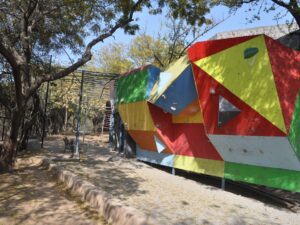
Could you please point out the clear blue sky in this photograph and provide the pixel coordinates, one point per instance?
(235, 22)
(152, 25)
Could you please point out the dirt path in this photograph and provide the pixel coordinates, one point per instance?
(31, 196)
(168, 199)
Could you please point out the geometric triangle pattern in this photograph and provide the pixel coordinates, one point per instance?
(285, 67)
(160, 146)
(247, 123)
(294, 135)
(227, 111)
(173, 103)
(229, 108)
(167, 77)
(258, 88)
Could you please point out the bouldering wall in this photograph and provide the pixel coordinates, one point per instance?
(229, 108)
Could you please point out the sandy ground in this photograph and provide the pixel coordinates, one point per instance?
(31, 196)
(167, 198)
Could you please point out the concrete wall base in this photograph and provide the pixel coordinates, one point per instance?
(112, 210)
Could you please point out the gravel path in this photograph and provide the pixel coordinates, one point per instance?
(31, 196)
(168, 199)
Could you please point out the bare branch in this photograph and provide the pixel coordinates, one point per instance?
(204, 32)
(247, 1)
(158, 60)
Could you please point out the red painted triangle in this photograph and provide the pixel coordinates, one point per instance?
(248, 122)
(183, 139)
(285, 64)
(203, 49)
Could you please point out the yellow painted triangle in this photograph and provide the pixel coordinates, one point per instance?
(249, 78)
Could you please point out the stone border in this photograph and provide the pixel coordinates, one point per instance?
(113, 211)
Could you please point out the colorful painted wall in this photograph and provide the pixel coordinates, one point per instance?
(229, 108)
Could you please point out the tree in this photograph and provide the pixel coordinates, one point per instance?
(179, 35)
(159, 50)
(113, 58)
(145, 49)
(31, 30)
(120, 58)
(292, 6)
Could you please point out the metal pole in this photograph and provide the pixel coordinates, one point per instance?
(76, 153)
(44, 119)
(45, 109)
(173, 171)
(223, 183)
(103, 122)
(84, 126)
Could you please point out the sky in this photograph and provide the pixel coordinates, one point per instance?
(152, 24)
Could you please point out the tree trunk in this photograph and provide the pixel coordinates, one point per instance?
(296, 15)
(10, 142)
(66, 118)
(23, 139)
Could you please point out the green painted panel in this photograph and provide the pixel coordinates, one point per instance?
(272, 177)
(132, 88)
(294, 134)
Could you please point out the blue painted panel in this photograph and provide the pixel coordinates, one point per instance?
(153, 75)
(179, 94)
(155, 157)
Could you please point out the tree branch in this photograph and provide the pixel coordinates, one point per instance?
(204, 32)
(280, 3)
(158, 60)
(4, 100)
(13, 58)
(247, 1)
(87, 55)
(8, 55)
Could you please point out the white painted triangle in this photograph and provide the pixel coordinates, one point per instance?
(160, 146)
(227, 111)
(164, 79)
(225, 105)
